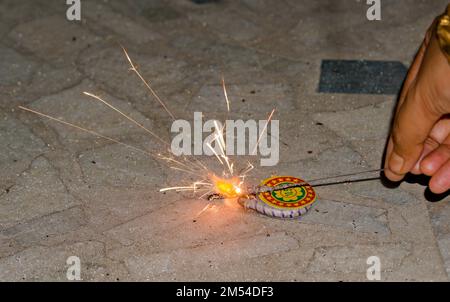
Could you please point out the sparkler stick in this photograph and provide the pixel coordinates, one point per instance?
(324, 181)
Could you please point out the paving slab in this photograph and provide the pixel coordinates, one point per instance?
(65, 192)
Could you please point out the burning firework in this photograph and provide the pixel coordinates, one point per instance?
(226, 183)
(279, 196)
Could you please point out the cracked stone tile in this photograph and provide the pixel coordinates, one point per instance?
(18, 148)
(296, 70)
(108, 207)
(115, 166)
(376, 190)
(444, 247)
(337, 258)
(321, 33)
(14, 12)
(70, 38)
(235, 62)
(49, 263)
(153, 11)
(278, 16)
(230, 25)
(48, 80)
(149, 266)
(399, 262)
(371, 122)
(346, 215)
(114, 202)
(424, 263)
(14, 67)
(371, 150)
(261, 98)
(37, 192)
(365, 128)
(280, 266)
(3, 30)
(242, 23)
(73, 106)
(183, 224)
(301, 138)
(160, 14)
(440, 217)
(110, 68)
(45, 80)
(411, 223)
(40, 230)
(311, 102)
(101, 15)
(313, 235)
(331, 162)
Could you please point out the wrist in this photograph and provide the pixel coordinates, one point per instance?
(443, 32)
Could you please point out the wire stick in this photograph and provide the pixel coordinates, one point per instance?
(315, 182)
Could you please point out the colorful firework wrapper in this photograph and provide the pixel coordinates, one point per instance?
(286, 203)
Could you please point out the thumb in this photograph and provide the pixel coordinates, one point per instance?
(412, 125)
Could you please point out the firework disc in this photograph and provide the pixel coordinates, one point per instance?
(287, 203)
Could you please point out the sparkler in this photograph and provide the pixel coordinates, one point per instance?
(230, 184)
(224, 185)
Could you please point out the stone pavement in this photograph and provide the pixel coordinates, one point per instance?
(64, 192)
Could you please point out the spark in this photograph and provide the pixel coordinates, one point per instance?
(134, 69)
(173, 160)
(225, 94)
(126, 116)
(86, 130)
(140, 126)
(221, 143)
(229, 185)
(195, 187)
(249, 168)
(203, 210)
(262, 132)
(180, 188)
(94, 133)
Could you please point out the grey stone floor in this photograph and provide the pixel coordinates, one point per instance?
(65, 193)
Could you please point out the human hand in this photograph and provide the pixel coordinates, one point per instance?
(420, 136)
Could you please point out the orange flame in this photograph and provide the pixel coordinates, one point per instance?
(230, 188)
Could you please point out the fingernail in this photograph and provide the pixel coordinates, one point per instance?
(396, 163)
(440, 186)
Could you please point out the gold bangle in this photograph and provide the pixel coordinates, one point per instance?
(443, 33)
